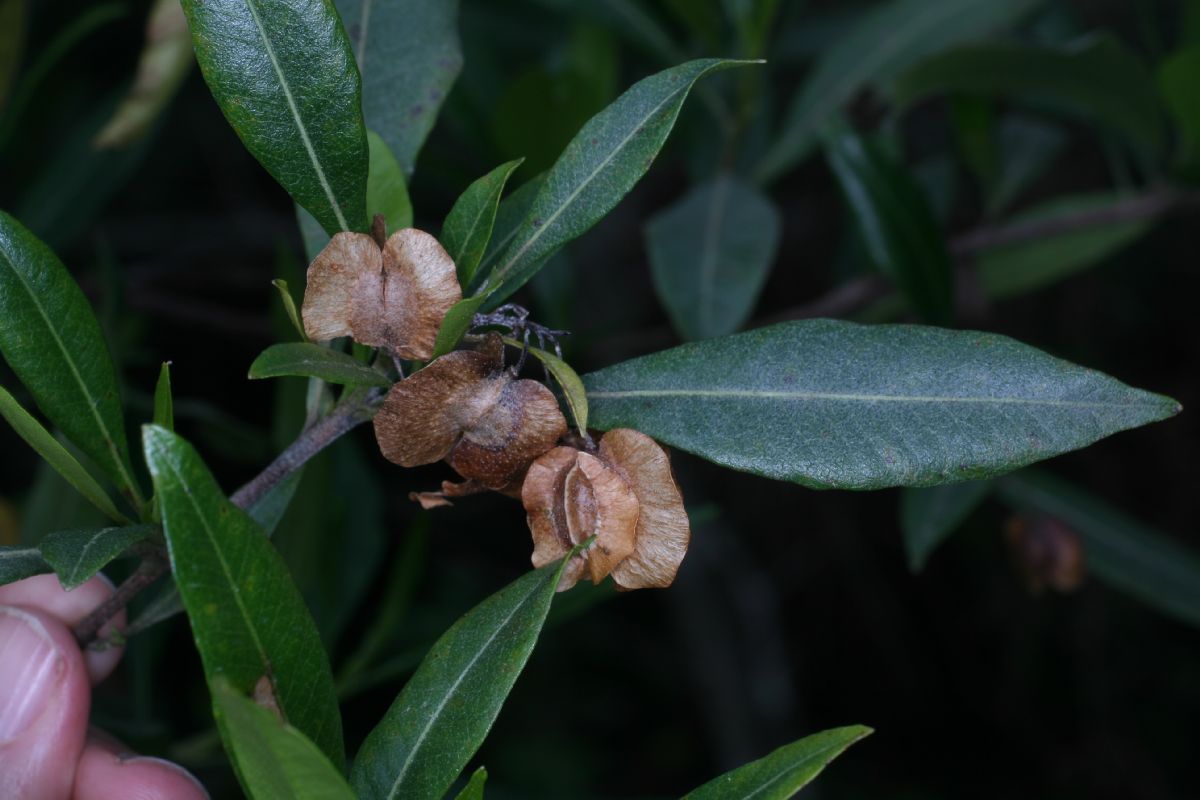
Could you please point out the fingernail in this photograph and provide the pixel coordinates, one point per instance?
(171, 765)
(30, 670)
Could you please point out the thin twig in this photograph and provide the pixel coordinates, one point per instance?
(151, 568)
(347, 415)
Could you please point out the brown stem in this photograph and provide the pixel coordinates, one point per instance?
(151, 568)
(351, 412)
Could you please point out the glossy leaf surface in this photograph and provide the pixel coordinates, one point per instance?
(710, 254)
(312, 360)
(164, 401)
(836, 405)
(57, 456)
(928, 516)
(885, 40)
(80, 554)
(1098, 80)
(509, 216)
(247, 617)
(1118, 549)
(51, 339)
(409, 55)
(567, 379)
(274, 759)
(474, 788)
(468, 226)
(446, 709)
(600, 165)
(784, 772)
(896, 223)
(284, 76)
(387, 189)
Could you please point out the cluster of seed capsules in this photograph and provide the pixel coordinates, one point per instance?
(498, 431)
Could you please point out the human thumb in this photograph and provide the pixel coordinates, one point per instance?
(44, 700)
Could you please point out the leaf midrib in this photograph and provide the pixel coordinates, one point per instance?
(864, 398)
(74, 571)
(502, 271)
(804, 764)
(432, 718)
(211, 534)
(301, 129)
(93, 402)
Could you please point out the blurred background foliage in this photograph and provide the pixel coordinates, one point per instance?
(1019, 166)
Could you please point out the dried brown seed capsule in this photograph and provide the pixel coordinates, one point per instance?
(467, 408)
(392, 297)
(624, 495)
(1046, 552)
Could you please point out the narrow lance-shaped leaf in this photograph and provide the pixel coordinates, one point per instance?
(19, 563)
(509, 216)
(57, 456)
(474, 788)
(51, 339)
(289, 306)
(784, 772)
(710, 254)
(409, 55)
(1119, 550)
(568, 380)
(247, 616)
(164, 401)
(274, 760)
(836, 405)
(896, 223)
(600, 165)
(1099, 80)
(314, 361)
(928, 516)
(468, 226)
(887, 39)
(448, 706)
(78, 555)
(387, 190)
(285, 78)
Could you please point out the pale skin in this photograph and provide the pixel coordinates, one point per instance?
(47, 750)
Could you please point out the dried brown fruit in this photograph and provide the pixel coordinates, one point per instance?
(394, 297)
(467, 408)
(1046, 552)
(624, 495)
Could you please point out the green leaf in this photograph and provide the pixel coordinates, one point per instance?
(387, 191)
(468, 226)
(509, 216)
(474, 788)
(57, 456)
(409, 55)
(247, 616)
(1020, 268)
(315, 361)
(567, 379)
(52, 341)
(164, 402)
(928, 516)
(19, 563)
(456, 322)
(446, 709)
(78, 555)
(165, 61)
(274, 760)
(896, 223)
(710, 254)
(600, 165)
(289, 305)
(1127, 554)
(831, 404)
(12, 41)
(1029, 146)
(883, 41)
(1098, 80)
(784, 772)
(284, 76)
(1177, 78)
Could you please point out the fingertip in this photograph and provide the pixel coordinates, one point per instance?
(102, 775)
